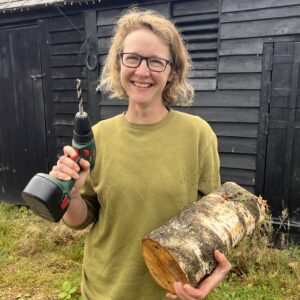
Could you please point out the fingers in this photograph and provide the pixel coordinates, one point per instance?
(223, 264)
(72, 153)
(66, 168)
(69, 151)
(171, 296)
(217, 276)
(187, 292)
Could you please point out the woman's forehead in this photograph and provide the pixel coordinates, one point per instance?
(145, 41)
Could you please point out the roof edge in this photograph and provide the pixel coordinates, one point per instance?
(26, 5)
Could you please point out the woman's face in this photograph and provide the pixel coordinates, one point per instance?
(145, 87)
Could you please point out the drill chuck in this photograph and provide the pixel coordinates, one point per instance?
(82, 133)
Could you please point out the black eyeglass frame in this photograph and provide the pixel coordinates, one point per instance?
(168, 62)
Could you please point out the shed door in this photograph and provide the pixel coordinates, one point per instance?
(22, 120)
(282, 170)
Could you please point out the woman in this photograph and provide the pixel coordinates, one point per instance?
(151, 162)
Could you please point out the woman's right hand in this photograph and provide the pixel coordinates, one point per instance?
(66, 169)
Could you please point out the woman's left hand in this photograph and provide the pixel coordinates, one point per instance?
(187, 292)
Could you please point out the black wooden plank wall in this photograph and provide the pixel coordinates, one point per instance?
(225, 39)
(295, 182)
(198, 22)
(232, 107)
(244, 28)
(235, 122)
(67, 36)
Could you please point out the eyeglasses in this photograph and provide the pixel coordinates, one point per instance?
(155, 64)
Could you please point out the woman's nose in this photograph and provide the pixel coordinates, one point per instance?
(142, 69)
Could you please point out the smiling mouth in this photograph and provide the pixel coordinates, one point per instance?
(141, 85)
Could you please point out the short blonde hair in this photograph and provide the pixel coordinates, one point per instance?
(178, 89)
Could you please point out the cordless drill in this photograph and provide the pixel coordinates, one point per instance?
(49, 197)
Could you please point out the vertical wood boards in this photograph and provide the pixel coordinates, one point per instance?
(47, 92)
(22, 123)
(247, 27)
(263, 118)
(280, 136)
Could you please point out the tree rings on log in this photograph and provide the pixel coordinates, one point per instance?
(182, 249)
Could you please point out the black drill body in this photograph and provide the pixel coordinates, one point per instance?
(49, 197)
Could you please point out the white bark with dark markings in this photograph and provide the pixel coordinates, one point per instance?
(182, 249)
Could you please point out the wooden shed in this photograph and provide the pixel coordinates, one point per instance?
(245, 54)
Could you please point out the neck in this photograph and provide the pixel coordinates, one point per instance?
(145, 115)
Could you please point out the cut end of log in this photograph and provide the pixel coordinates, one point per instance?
(162, 265)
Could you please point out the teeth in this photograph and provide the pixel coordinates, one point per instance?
(141, 85)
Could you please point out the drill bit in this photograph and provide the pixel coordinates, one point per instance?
(79, 96)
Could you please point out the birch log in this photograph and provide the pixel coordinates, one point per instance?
(182, 249)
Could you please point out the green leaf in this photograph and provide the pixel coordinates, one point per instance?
(62, 295)
(66, 286)
(73, 290)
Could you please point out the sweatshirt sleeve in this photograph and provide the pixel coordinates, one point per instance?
(209, 168)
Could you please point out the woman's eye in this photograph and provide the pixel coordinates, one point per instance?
(156, 62)
(132, 58)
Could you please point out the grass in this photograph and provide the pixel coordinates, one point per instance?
(40, 260)
(36, 257)
(261, 271)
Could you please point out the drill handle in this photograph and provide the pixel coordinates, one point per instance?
(85, 151)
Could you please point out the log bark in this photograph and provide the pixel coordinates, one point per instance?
(182, 249)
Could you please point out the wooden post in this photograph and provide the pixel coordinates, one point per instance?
(182, 249)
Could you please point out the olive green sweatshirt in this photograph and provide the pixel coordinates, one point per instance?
(144, 175)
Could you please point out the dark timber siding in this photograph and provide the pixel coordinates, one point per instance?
(227, 82)
(245, 27)
(67, 59)
(232, 44)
